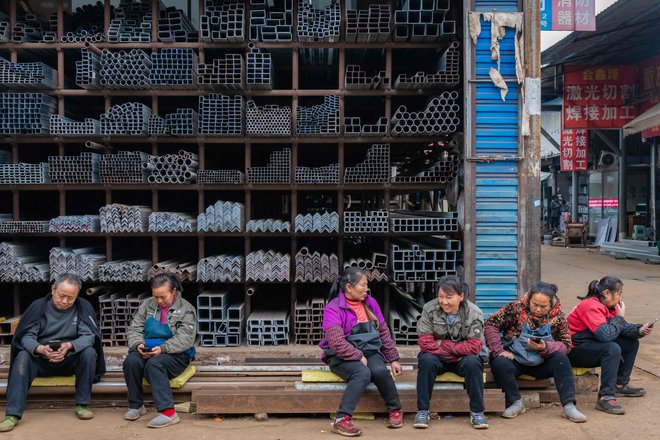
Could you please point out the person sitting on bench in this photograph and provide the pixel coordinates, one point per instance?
(56, 336)
(602, 338)
(356, 346)
(160, 341)
(530, 336)
(450, 339)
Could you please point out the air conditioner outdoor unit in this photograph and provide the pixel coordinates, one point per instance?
(607, 159)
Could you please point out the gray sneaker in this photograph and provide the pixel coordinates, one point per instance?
(571, 413)
(135, 413)
(514, 410)
(161, 421)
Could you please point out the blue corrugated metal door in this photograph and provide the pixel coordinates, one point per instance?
(496, 133)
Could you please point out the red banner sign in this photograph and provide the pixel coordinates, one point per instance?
(604, 203)
(573, 15)
(599, 96)
(574, 150)
(649, 87)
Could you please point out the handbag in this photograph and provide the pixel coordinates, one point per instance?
(521, 352)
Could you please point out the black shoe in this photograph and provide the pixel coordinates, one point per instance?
(610, 406)
(628, 391)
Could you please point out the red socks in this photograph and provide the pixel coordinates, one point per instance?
(169, 412)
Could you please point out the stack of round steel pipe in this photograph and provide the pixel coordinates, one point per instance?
(368, 267)
(128, 119)
(441, 116)
(268, 120)
(125, 70)
(178, 168)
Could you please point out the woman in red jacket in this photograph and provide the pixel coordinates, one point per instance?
(602, 338)
(530, 336)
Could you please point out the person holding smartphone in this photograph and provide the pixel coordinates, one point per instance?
(603, 338)
(160, 340)
(530, 336)
(57, 336)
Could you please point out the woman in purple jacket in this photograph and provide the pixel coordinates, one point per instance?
(356, 346)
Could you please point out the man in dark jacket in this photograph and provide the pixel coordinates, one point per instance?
(57, 336)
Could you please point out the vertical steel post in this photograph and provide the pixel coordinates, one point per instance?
(574, 195)
(623, 200)
(652, 192)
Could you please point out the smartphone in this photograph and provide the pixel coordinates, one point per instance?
(55, 344)
(536, 340)
(146, 350)
(652, 322)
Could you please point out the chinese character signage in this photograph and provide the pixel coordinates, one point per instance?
(546, 15)
(574, 150)
(604, 203)
(649, 87)
(599, 96)
(570, 15)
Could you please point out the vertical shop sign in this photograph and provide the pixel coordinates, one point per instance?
(574, 150)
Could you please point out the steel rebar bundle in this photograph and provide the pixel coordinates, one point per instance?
(66, 259)
(24, 173)
(423, 221)
(123, 167)
(353, 127)
(441, 116)
(308, 321)
(224, 73)
(131, 22)
(326, 174)
(317, 222)
(259, 73)
(124, 218)
(316, 267)
(116, 311)
(371, 222)
(174, 26)
(9, 226)
(234, 177)
(421, 262)
(22, 263)
(222, 217)
(183, 270)
(318, 24)
(125, 69)
(278, 169)
(19, 76)
(74, 169)
(172, 222)
(368, 25)
(447, 75)
(75, 223)
(268, 120)
(63, 126)
(356, 78)
(221, 268)
(220, 319)
(221, 115)
(26, 113)
(267, 225)
(444, 170)
(174, 68)
(423, 20)
(268, 327)
(124, 270)
(129, 119)
(374, 169)
(320, 118)
(271, 23)
(223, 21)
(267, 266)
(178, 168)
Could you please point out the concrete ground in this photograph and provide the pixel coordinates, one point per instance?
(571, 269)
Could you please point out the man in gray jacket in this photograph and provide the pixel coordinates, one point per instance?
(57, 336)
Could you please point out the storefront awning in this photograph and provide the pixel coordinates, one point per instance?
(646, 120)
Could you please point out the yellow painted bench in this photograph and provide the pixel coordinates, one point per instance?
(323, 376)
(576, 372)
(70, 381)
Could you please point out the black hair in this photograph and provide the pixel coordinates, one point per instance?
(547, 289)
(452, 283)
(351, 276)
(597, 287)
(171, 280)
(70, 278)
